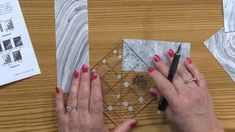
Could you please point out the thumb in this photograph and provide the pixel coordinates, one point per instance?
(126, 126)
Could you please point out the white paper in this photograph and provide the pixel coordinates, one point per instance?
(17, 57)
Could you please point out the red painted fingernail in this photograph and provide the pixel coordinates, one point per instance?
(153, 94)
(157, 58)
(57, 90)
(189, 61)
(134, 124)
(93, 75)
(75, 75)
(150, 69)
(171, 53)
(84, 68)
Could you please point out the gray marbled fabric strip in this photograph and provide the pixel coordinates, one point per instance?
(71, 39)
(222, 46)
(229, 15)
(145, 50)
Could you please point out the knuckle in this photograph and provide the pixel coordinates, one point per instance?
(85, 77)
(72, 97)
(84, 124)
(177, 79)
(74, 119)
(97, 106)
(162, 68)
(75, 82)
(176, 83)
(164, 89)
(82, 108)
(82, 105)
(97, 99)
(197, 97)
(96, 110)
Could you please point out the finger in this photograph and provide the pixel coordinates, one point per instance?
(60, 110)
(163, 68)
(73, 93)
(154, 93)
(84, 90)
(196, 73)
(126, 126)
(181, 70)
(164, 86)
(96, 98)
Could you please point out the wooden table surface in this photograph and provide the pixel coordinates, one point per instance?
(28, 105)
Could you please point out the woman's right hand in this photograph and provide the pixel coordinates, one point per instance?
(190, 107)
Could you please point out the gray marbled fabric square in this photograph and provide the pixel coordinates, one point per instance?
(222, 46)
(229, 15)
(71, 39)
(138, 54)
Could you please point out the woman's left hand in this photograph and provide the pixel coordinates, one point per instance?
(84, 111)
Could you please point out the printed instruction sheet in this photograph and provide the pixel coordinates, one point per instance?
(17, 57)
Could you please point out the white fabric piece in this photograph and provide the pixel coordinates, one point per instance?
(71, 39)
(229, 15)
(222, 46)
(138, 54)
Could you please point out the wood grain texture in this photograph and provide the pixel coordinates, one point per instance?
(28, 105)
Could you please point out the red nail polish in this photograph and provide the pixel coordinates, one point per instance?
(157, 58)
(84, 68)
(134, 124)
(93, 75)
(189, 61)
(75, 75)
(57, 90)
(150, 69)
(153, 94)
(171, 53)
